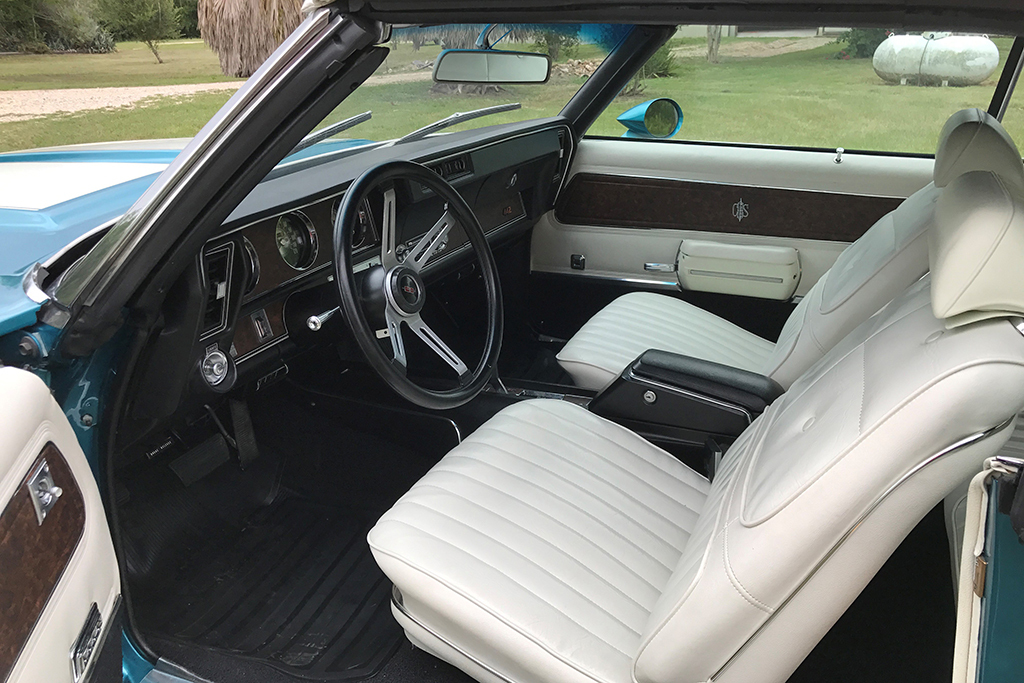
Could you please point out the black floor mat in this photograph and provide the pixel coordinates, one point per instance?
(296, 589)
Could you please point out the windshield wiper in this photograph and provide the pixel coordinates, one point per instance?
(330, 131)
(457, 117)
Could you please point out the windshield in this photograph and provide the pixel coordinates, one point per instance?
(403, 97)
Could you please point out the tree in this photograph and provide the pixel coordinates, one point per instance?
(188, 17)
(714, 42)
(244, 33)
(559, 41)
(148, 21)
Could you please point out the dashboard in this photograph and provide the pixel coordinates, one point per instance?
(271, 266)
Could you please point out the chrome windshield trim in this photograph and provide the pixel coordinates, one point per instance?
(102, 265)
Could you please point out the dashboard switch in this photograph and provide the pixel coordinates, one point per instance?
(578, 262)
(262, 325)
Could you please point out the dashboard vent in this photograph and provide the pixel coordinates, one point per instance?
(217, 272)
(455, 167)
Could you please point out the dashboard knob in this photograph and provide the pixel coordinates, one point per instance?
(215, 367)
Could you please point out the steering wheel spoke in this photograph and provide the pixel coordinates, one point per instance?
(388, 232)
(430, 338)
(397, 288)
(394, 321)
(428, 244)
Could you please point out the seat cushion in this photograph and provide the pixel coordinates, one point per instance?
(636, 322)
(541, 543)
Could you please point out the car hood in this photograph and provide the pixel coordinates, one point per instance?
(51, 197)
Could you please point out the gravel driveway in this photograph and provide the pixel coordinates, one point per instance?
(20, 105)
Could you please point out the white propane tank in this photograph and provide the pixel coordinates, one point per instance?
(935, 59)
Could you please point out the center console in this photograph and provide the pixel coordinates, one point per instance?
(675, 399)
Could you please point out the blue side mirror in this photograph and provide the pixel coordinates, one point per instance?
(660, 118)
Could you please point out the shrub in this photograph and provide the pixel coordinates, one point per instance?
(44, 25)
(861, 43)
(662, 64)
(148, 21)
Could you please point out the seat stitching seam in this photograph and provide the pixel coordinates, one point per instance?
(600, 500)
(518, 629)
(518, 583)
(599, 478)
(584, 491)
(554, 519)
(735, 580)
(627, 450)
(540, 538)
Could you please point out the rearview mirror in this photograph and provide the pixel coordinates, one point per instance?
(660, 118)
(491, 66)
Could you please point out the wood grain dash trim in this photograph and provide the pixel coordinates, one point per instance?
(620, 201)
(33, 557)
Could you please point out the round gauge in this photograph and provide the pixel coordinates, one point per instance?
(296, 240)
(362, 227)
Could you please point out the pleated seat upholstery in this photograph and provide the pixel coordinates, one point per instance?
(553, 546)
(639, 321)
(889, 257)
(608, 512)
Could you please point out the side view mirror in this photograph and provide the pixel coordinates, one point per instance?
(660, 118)
(491, 66)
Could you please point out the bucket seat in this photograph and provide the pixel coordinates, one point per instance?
(868, 274)
(553, 545)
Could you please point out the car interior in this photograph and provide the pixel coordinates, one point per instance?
(513, 403)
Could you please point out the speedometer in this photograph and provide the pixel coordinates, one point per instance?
(296, 240)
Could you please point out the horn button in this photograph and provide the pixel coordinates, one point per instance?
(407, 290)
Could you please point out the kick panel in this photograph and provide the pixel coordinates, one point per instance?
(594, 199)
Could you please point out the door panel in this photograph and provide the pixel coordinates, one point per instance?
(628, 203)
(52, 571)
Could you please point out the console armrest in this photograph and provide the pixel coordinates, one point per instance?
(746, 389)
(668, 397)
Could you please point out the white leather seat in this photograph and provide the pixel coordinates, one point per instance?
(890, 256)
(552, 545)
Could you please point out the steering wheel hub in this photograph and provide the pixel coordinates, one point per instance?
(394, 293)
(406, 290)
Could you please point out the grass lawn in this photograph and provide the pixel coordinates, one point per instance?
(185, 61)
(801, 98)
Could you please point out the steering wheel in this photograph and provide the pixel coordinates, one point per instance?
(391, 295)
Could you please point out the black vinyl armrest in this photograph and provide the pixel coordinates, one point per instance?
(746, 389)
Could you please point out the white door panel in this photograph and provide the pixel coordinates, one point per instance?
(863, 174)
(72, 544)
(621, 252)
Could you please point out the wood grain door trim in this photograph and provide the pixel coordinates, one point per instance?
(33, 557)
(628, 202)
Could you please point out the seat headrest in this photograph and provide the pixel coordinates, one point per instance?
(973, 140)
(976, 249)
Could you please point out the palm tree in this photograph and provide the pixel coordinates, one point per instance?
(243, 33)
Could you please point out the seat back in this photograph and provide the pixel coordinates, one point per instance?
(893, 253)
(817, 493)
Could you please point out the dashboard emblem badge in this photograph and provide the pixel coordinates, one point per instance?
(740, 210)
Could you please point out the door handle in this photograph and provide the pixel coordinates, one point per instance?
(43, 492)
